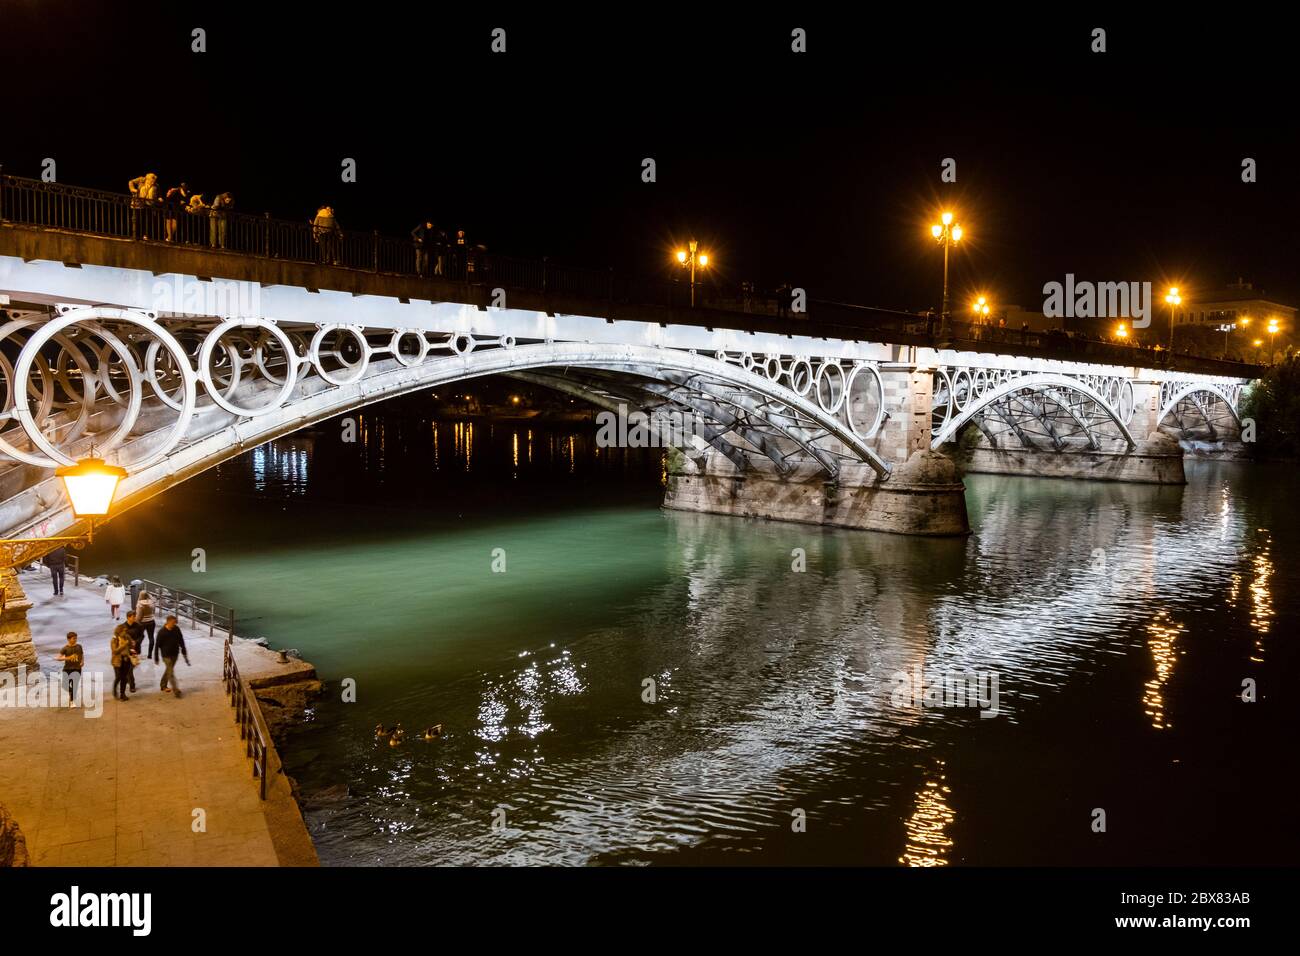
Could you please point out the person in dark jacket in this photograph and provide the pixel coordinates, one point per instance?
(135, 631)
(171, 643)
(55, 561)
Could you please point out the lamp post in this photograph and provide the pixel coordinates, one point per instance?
(1174, 300)
(689, 259)
(945, 232)
(1272, 341)
(90, 485)
(1258, 343)
(1122, 332)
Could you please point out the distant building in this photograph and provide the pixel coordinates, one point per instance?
(1225, 306)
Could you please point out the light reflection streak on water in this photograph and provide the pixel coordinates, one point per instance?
(1162, 639)
(928, 842)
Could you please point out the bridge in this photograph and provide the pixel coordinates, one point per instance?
(168, 358)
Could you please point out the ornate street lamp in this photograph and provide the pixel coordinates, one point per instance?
(946, 232)
(689, 259)
(1174, 300)
(90, 485)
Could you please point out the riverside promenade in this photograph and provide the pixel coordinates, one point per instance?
(126, 788)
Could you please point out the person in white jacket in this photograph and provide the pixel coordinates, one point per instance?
(114, 595)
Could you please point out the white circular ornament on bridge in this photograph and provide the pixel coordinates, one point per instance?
(88, 315)
(205, 371)
(878, 387)
(460, 343)
(823, 377)
(395, 347)
(801, 377)
(357, 370)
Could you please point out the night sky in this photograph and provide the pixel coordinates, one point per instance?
(821, 169)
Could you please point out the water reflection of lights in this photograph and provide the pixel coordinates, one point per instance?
(1261, 569)
(928, 843)
(527, 693)
(1162, 638)
(284, 465)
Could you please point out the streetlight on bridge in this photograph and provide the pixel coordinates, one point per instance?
(946, 232)
(689, 259)
(1174, 300)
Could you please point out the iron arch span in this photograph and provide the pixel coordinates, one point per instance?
(170, 402)
(1041, 407)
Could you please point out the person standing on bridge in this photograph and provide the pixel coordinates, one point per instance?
(144, 193)
(325, 230)
(171, 642)
(218, 219)
(422, 238)
(114, 595)
(198, 209)
(55, 561)
(177, 198)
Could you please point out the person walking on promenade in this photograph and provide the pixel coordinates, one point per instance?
(144, 193)
(219, 219)
(55, 561)
(144, 614)
(171, 642)
(121, 649)
(73, 656)
(135, 631)
(325, 230)
(177, 198)
(114, 595)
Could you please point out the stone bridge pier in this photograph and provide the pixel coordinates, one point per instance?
(922, 494)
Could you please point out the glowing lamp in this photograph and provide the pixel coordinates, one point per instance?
(91, 484)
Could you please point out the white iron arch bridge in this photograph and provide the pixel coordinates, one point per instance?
(91, 367)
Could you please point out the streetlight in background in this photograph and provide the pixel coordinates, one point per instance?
(1272, 341)
(689, 259)
(1122, 332)
(946, 232)
(1174, 300)
(1258, 343)
(980, 310)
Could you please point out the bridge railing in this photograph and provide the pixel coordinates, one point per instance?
(75, 209)
(199, 611)
(248, 714)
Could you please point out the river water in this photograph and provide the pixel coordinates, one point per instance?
(624, 685)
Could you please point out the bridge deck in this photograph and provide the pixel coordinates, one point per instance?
(120, 789)
(54, 223)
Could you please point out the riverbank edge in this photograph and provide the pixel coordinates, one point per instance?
(286, 823)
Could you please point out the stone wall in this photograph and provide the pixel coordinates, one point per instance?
(13, 848)
(15, 634)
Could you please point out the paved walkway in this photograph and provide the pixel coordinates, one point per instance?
(121, 789)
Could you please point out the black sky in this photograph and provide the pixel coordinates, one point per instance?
(822, 169)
